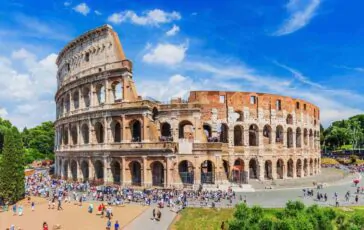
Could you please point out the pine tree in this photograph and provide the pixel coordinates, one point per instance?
(12, 186)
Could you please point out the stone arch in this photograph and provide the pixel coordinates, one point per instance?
(85, 170)
(186, 172)
(315, 166)
(311, 138)
(100, 92)
(155, 114)
(85, 134)
(115, 171)
(86, 94)
(238, 171)
(157, 173)
(74, 170)
(253, 169)
(99, 170)
(116, 131)
(135, 173)
(289, 119)
(305, 136)
(207, 172)
(99, 132)
(290, 168)
(65, 135)
(185, 130)
(208, 131)
(238, 135)
(253, 135)
(289, 138)
(136, 130)
(240, 115)
(299, 168)
(226, 167)
(224, 133)
(267, 135)
(65, 169)
(67, 103)
(311, 167)
(298, 137)
(268, 170)
(166, 130)
(279, 135)
(280, 169)
(305, 167)
(76, 99)
(117, 91)
(74, 134)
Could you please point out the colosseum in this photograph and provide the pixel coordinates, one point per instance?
(107, 134)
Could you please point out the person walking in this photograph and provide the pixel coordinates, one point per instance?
(108, 224)
(59, 203)
(14, 210)
(116, 225)
(45, 226)
(33, 206)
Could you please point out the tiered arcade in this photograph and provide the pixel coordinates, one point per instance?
(106, 133)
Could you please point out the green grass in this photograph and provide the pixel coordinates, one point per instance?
(211, 219)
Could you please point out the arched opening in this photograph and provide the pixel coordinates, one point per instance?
(268, 170)
(238, 171)
(224, 133)
(157, 174)
(85, 170)
(225, 164)
(115, 171)
(315, 166)
(185, 130)
(279, 135)
(65, 136)
(253, 169)
(166, 132)
(155, 114)
(305, 167)
(65, 170)
(186, 172)
(117, 91)
(99, 170)
(280, 169)
(240, 115)
(289, 138)
(74, 135)
(86, 97)
(207, 172)
(299, 168)
(298, 137)
(136, 131)
(99, 131)
(116, 131)
(74, 170)
(238, 135)
(208, 132)
(290, 167)
(253, 135)
(311, 167)
(76, 100)
(136, 173)
(67, 103)
(267, 135)
(311, 138)
(85, 134)
(100, 92)
(289, 119)
(305, 136)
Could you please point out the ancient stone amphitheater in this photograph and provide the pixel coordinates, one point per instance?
(107, 134)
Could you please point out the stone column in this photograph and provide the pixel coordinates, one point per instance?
(165, 174)
(91, 173)
(260, 137)
(273, 135)
(168, 178)
(72, 107)
(145, 137)
(294, 174)
(294, 138)
(92, 96)
(79, 133)
(261, 170)
(69, 172)
(246, 136)
(197, 171)
(274, 170)
(145, 171)
(90, 132)
(107, 170)
(107, 92)
(123, 176)
(106, 130)
(285, 138)
(123, 124)
(81, 103)
(79, 170)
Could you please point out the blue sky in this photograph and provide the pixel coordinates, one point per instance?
(310, 49)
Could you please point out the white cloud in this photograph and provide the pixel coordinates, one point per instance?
(3, 113)
(168, 54)
(152, 17)
(173, 31)
(300, 14)
(67, 4)
(27, 96)
(98, 12)
(82, 8)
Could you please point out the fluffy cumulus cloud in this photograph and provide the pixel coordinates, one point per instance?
(168, 54)
(82, 8)
(152, 17)
(27, 95)
(300, 13)
(173, 31)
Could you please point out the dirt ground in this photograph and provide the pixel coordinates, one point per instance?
(73, 217)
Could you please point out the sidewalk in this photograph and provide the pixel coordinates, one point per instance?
(144, 222)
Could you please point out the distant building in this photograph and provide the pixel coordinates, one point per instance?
(107, 133)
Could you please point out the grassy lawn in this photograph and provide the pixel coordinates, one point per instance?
(211, 219)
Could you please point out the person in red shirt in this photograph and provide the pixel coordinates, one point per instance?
(45, 226)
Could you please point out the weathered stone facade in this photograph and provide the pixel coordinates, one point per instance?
(106, 133)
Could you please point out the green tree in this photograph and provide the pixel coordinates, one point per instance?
(12, 186)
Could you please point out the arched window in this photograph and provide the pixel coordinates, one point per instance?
(224, 133)
(289, 119)
(136, 131)
(65, 136)
(207, 131)
(298, 138)
(238, 135)
(99, 131)
(117, 132)
(186, 130)
(267, 135)
(155, 113)
(74, 135)
(85, 134)
(279, 135)
(117, 91)
(76, 100)
(100, 90)
(165, 131)
(289, 138)
(253, 135)
(86, 96)
(67, 103)
(305, 136)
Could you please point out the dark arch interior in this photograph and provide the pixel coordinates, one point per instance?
(136, 131)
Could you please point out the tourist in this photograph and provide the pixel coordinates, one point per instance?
(59, 203)
(108, 224)
(90, 208)
(33, 206)
(45, 226)
(20, 210)
(14, 210)
(356, 199)
(12, 227)
(116, 225)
